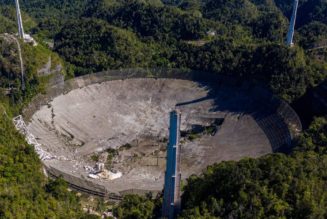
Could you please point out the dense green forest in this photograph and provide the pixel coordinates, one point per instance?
(273, 186)
(240, 38)
(24, 191)
(247, 34)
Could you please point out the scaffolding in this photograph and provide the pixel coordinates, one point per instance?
(30, 138)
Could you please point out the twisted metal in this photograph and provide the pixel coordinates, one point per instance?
(30, 138)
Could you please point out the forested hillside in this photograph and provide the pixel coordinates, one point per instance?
(240, 38)
(24, 190)
(273, 186)
(276, 185)
(115, 47)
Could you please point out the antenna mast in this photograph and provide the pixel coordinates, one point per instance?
(19, 21)
(290, 34)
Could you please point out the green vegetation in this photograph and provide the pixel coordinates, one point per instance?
(198, 130)
(315, 137)
(125, 147)
(24, 190)
(112, 153)
(41, 9)
(271, 186)
(8, 17)
(95, 157)
(7, 25)
(273, 64)
(313, 33)
(138, 34)
(157, 22)
(34, 59)
(133, 206)
(98, 46)
(159, 32)
(240, 38)
(278, 185)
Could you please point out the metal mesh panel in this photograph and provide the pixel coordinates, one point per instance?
(283, 118)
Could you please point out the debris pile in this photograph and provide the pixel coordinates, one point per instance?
(21, 127)
(99, 172)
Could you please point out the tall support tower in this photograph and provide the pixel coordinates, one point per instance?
(290, 33)
(19, 21)
(172, 195)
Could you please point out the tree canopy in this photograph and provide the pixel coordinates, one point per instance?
(240, 38)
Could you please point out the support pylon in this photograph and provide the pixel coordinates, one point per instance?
(19, 21)
(290, 34)
(172, 195)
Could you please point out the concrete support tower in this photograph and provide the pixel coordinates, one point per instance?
(19, 21)
(172, 195)
(290, 33)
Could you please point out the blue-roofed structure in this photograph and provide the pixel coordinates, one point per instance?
(172, 197)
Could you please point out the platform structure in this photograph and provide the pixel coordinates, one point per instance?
(172, 197)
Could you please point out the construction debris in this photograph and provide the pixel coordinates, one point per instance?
(21, 127)
(99, 172)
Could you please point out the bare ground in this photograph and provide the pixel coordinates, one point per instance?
(97, 117)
